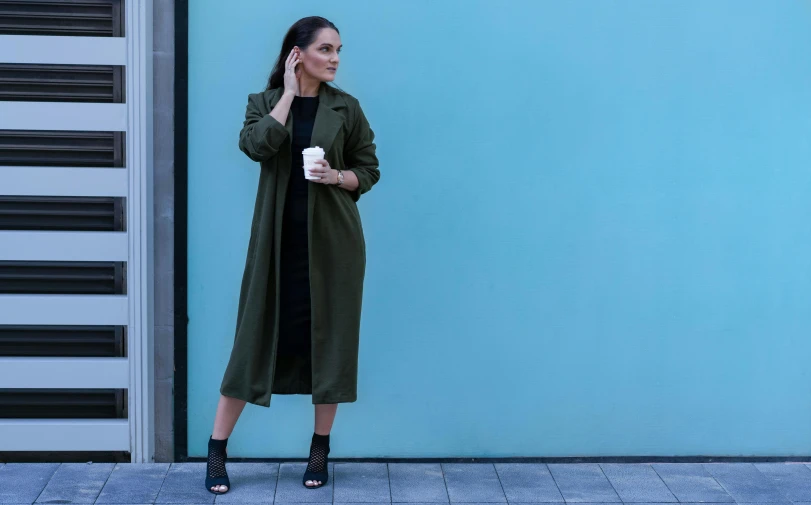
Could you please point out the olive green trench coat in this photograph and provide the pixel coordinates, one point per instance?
(337, 255)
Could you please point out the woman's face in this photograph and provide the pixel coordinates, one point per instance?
(320, 60)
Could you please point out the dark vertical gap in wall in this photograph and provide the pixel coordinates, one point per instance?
(180, 232)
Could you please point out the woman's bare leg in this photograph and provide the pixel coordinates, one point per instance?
(228, 411)
(324, 417)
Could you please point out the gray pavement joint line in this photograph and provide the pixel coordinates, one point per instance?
(665, 483)
(105, 483)
(388, 479)
(556, 482)
(46, 484)
(609, 482)
(719, 483)
(278, 475)
(445, 481)
(500, 483)
(163, 481)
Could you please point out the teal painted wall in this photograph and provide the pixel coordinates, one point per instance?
(591, 235)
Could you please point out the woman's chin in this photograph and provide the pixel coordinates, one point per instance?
(328, 77)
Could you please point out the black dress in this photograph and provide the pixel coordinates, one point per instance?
(294, 302)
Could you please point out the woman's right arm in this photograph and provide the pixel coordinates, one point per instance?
(262, 134)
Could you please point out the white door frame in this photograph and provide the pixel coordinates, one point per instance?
(140, 278)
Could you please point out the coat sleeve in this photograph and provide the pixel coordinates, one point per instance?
(359, 154)
(261, 134)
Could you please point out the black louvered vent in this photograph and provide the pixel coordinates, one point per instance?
(63, 404)
(73, 341)
(61, 213)
(31, 148)
(86, 18)
(46, 277)
(61, 83)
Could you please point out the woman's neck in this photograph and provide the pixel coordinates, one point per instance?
(308, 87)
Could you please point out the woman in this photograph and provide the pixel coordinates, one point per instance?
(298, 321)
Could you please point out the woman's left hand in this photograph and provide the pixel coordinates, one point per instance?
(325, 172)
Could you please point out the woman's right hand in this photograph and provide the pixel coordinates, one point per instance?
(290, 73)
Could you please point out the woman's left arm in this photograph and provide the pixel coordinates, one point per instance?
(360, 158)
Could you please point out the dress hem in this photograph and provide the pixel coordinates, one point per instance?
(260, 401)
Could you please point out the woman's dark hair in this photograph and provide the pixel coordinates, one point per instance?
(301, 34)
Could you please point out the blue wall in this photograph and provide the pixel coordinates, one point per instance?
(591, 235)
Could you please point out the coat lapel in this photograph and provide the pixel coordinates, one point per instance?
(328, 122)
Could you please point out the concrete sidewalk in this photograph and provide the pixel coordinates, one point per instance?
(54, 483)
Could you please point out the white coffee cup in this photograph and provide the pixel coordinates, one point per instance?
(311, 154)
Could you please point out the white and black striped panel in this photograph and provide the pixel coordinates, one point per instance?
(63, 233)
(62, 277)
(63, 403)
(64, 341)
(51, 148)
(61, 213)
(62, 83)
(85, 18)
